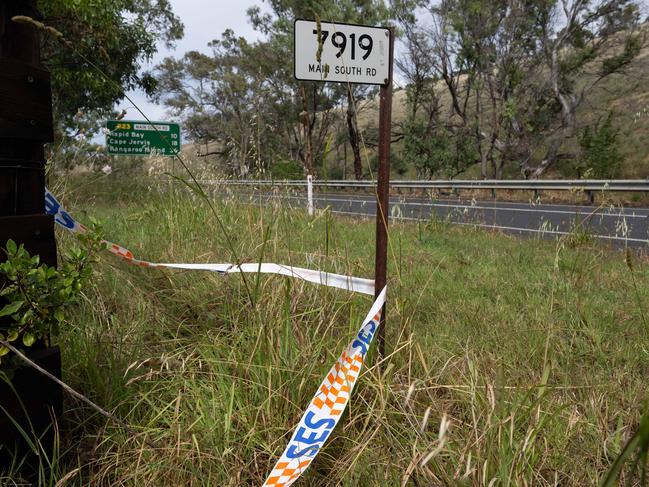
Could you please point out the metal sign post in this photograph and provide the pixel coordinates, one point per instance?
(346, 53)
(383, 193)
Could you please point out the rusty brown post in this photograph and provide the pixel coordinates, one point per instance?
(383, 193)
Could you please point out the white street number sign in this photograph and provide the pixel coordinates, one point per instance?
(341, 52)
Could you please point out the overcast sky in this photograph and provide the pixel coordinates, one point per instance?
(205, 20)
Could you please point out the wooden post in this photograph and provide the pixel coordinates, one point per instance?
(591, 197)
(25, 113)
(25, 125)
(383, 192)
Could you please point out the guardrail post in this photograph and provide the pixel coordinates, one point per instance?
(591, 197)
(309, 194)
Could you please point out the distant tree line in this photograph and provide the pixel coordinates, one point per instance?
(493, 83)
(498, 85)
(499, 82)
(244, 97)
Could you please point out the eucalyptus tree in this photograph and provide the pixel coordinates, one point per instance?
(221, 99)
(514, 72)
(244, 97)
(580, 48)
(117, 36)
(315, 103)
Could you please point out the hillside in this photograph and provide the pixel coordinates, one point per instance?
(626, 95)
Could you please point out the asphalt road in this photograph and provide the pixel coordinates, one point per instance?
(618, 225)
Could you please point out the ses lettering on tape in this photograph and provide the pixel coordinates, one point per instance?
(328, 404)
(62, 217)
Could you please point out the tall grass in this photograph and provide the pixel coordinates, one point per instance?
(511, 362)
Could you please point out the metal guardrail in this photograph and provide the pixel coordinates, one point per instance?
(641, 185)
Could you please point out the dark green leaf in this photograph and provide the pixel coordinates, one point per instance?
(11, 308)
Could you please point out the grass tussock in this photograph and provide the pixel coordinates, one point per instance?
(512, 362)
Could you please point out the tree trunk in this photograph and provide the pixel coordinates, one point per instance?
(352, 127)
(345, 160)
(500, 165)
(478, 135)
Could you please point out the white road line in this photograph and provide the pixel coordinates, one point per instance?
(444, 205)
(504, 204)
(482, 225)
(495, 227)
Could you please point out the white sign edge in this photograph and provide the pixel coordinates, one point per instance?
(295, 21)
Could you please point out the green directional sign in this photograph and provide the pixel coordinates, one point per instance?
(138, 138)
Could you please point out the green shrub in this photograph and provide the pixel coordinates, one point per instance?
(398, 164)
(35, 294)
(287, 169)
(438, 151)
(600, 151)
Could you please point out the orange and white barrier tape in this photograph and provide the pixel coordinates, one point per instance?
(329, 403)
(340, 281)
(327, 406)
